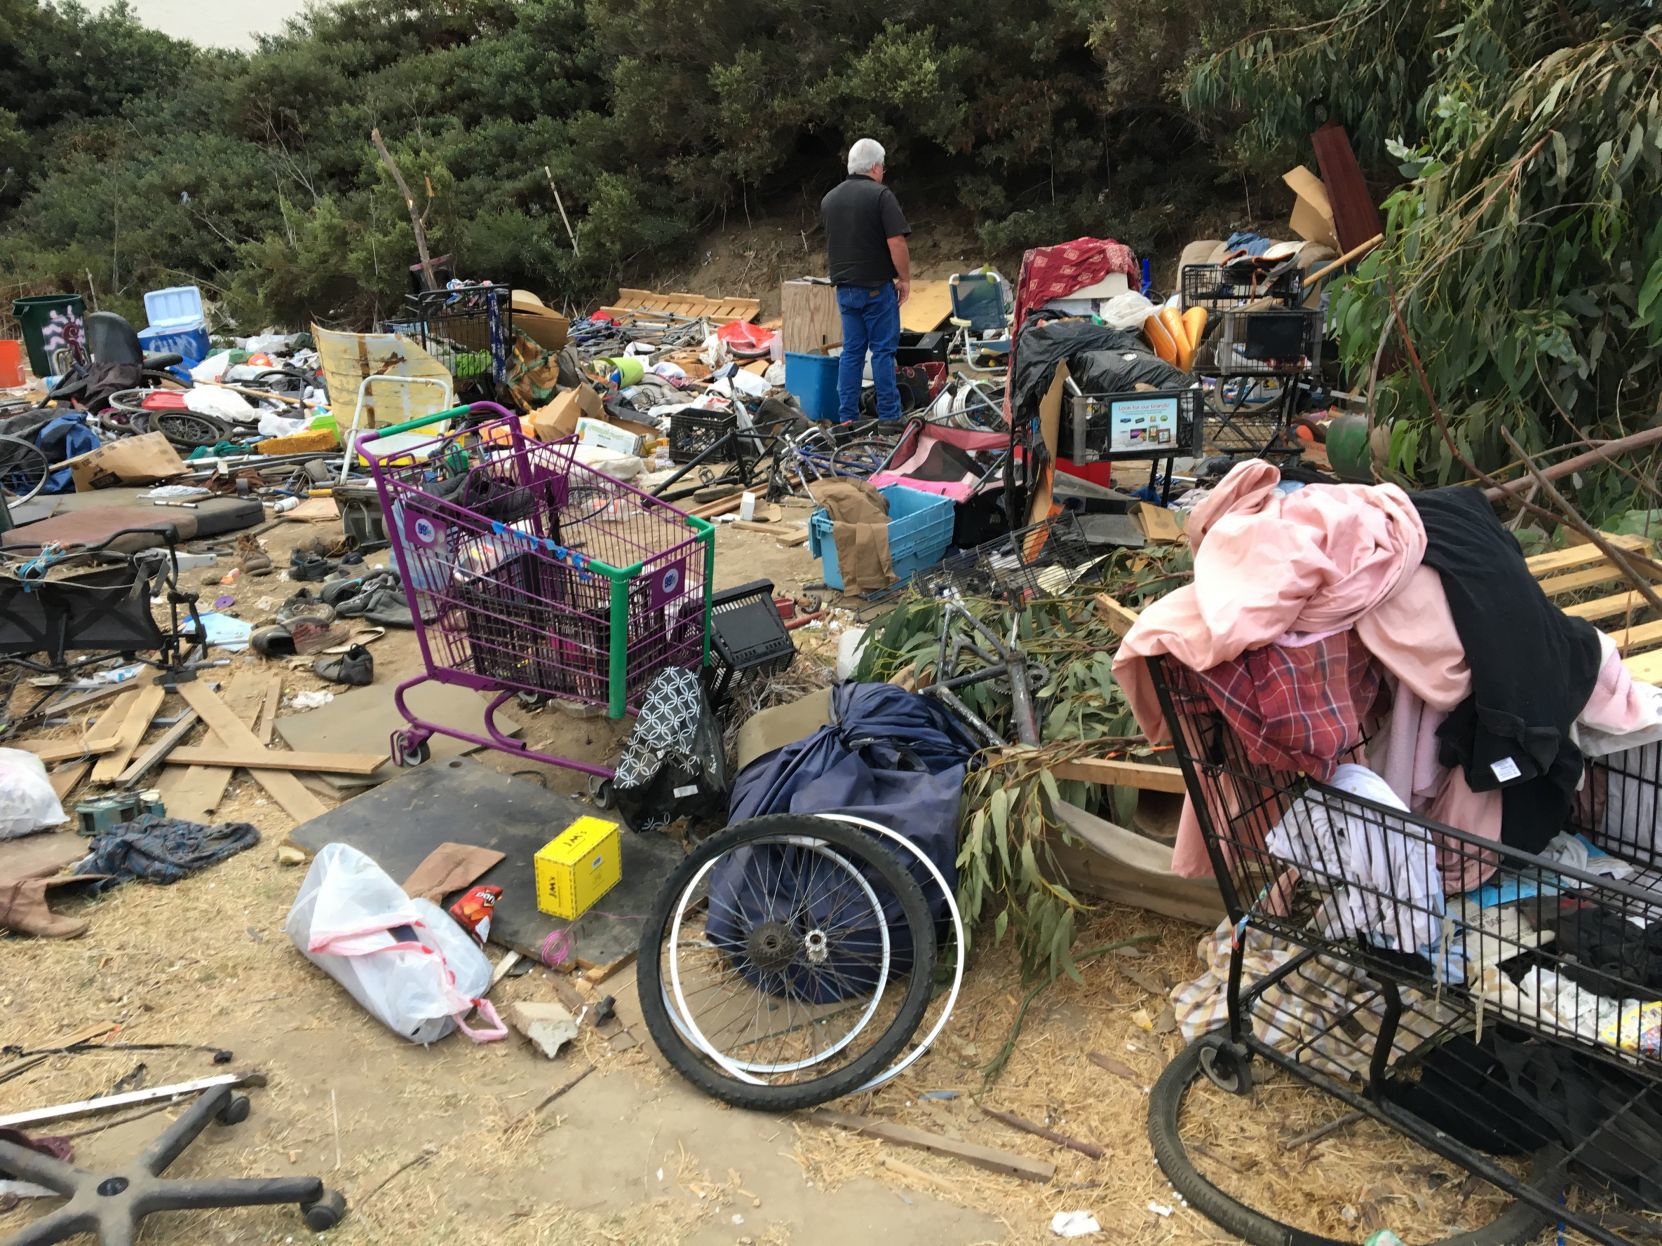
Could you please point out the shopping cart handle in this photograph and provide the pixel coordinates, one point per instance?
(372, 433)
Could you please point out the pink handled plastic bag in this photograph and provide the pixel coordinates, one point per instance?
(406, 961)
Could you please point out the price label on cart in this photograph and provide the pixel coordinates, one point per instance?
(423, 530)
(667, 582)
(1142, 424)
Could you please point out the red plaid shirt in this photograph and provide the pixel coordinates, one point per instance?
(1299, 708)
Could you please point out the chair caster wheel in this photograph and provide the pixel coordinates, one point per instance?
(235, 1110)
(326, 1213)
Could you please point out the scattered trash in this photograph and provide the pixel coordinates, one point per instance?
(1159, 1209)
(310, 700)
(549, 1026)
(1074, 1224)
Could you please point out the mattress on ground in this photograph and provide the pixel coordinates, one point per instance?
(96, 524)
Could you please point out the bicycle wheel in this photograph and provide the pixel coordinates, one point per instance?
(1517, 1224)
(189, 431)
(24, 468)
(773, 971)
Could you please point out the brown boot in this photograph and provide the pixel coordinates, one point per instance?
(251, 558)
(23, 907)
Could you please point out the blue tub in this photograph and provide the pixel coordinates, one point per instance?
(920, 529)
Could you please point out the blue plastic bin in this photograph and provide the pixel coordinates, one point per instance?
(175, 307)
(812, 379)
(191, 342)
(920, 529)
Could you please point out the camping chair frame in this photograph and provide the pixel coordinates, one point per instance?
(969, 319)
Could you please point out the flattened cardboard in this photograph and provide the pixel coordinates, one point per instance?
(140, 460)
(559, 418)
(1312, 217)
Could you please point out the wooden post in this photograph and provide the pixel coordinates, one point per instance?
(418, 220)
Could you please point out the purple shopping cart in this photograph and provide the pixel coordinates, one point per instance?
(530, 573)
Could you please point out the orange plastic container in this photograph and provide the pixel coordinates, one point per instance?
(11, 363)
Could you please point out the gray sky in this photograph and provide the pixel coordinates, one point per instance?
(222, 24)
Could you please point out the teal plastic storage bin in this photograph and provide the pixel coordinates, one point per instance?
(920, 529)
(812, 379)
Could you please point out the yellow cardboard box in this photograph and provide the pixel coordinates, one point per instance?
(577, 867)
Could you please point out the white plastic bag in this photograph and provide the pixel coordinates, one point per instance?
(406, 961)
(27, 801)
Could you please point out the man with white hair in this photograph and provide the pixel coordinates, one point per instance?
(865, 243)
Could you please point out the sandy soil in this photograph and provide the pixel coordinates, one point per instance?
(442, 1144)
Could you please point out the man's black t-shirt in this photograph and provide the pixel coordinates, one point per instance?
(860, 217)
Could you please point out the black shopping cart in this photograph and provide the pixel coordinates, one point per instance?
(1511, 1027)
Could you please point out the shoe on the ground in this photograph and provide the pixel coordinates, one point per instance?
(251, 559)
(385, 606)
(309, 565)
(355, 666)
(276, 641)
(339, 593)
(305, 604)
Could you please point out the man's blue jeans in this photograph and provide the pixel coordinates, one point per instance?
(871, 321)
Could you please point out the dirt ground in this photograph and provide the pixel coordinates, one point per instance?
(442, 1144)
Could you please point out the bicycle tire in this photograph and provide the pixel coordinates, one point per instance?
(693, 1064)
(1518, 1225)
(24, 469)
(188, 430)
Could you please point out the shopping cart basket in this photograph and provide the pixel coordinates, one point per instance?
(529, 573)
(1499, 1008)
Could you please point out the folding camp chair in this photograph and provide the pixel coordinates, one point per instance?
(981, 305)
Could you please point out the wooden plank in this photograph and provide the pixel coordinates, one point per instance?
(254, 757)
(1646, 668)
(811, 322)
(927, 307)
(1117, 615)
(1008, 1163)
(1613, 606)
(1355, 215)
(194, 793)
(64, 778)
(1582, 555)
(1578, 580)
(267, 721)
(284, 788)
(144, 705)
(1638, 636)
(64, 750)
(1111, 773)
(153, 754)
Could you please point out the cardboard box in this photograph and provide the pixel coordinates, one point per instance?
(559, 418)
(140, 460)
(1312, 217)
(543, 325)
(1160, 525)
(577, 867)
(615, 437)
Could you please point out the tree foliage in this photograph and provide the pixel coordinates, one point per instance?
(137, 160)
(1524, 251)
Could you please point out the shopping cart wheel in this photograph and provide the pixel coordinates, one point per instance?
(602, 793)
(1519, 1223)
(409, 749)
(1228, 1066)
(775, 971)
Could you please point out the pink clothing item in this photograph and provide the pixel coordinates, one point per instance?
(1618, 706)
(1412, 634)
(1268, 563)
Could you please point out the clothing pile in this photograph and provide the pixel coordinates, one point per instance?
(1323, 616)
(1395, 649)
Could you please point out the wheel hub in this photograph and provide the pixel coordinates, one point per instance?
(772, 945)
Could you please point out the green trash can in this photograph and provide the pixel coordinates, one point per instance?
(50, 322)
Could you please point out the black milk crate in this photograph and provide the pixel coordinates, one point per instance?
(1488, 1000)
(1219, 287)
(691, 433)
(747, 636)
